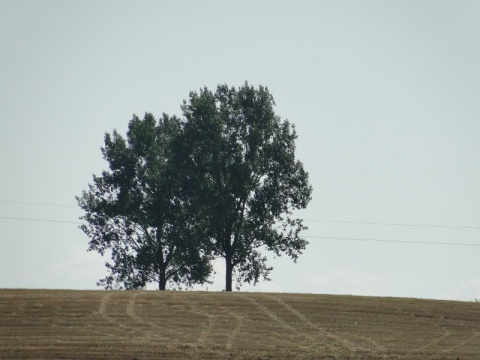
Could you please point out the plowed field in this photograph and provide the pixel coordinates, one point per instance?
(54, 324)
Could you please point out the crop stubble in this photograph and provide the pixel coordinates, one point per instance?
(55, 324)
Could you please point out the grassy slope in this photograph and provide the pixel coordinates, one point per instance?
(48, 324)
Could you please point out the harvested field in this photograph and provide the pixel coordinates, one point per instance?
(58, 324)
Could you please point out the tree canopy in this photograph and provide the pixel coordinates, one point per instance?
(135, 212)
(239, 158)
(222, 181)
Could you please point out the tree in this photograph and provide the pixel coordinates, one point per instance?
(241, 172)
(136, 211)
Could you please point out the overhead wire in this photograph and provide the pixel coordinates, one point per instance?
(307, 236)
(40, 220)
(391, 241)
(36, 203)
(39, 204)
(308, 220)
(395, 224)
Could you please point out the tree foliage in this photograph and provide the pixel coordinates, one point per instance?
(239, 158)
(223, 181)
(135, 211)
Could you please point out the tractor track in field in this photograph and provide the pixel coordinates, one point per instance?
(234, 335)
(199, 325)
(461, 344)
(212, 326)
(102, 309)
(207, 328)
(143, 330)
(349, 345)
(318, 338)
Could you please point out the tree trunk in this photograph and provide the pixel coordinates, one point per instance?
(162, 280)
(228, 273)
(162, 266)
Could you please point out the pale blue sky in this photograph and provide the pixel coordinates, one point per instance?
(384, 95)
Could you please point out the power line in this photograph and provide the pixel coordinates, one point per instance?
(391, 241)
(308, 236)
(36, 203)
(309, 220)
(39, 220)
(395, 224)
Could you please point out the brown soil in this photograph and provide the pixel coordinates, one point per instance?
(54, 324)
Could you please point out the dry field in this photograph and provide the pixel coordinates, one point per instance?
(49, 324)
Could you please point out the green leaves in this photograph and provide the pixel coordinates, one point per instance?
(242, 157)
(223, 181)
(133, 210)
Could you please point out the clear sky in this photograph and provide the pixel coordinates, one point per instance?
(385, 96)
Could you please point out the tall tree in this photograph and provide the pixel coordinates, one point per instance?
(136, 212)
(241, 172)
